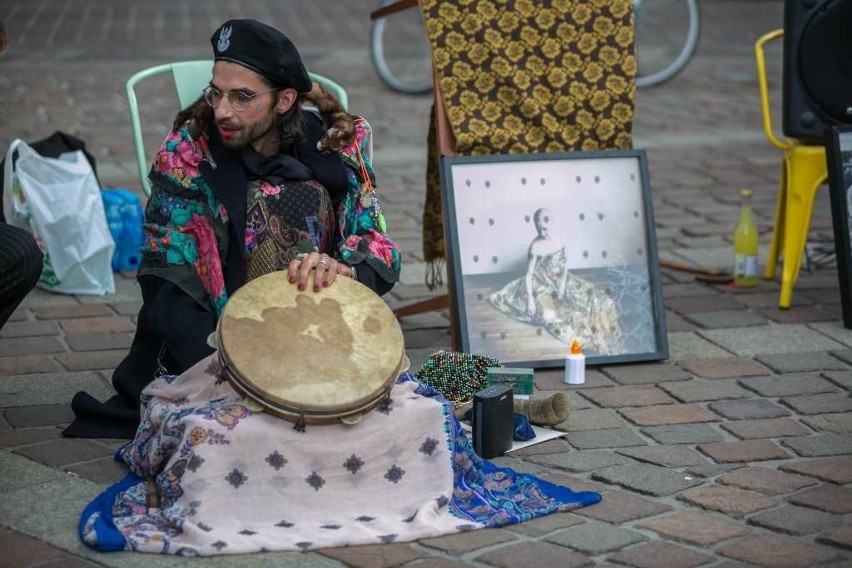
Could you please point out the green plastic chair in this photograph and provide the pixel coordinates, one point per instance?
(190, 78)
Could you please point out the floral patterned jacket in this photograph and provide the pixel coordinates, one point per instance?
(189, 231)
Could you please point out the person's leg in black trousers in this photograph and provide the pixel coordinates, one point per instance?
(20, 268)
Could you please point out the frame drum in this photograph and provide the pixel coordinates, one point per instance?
(310, 357)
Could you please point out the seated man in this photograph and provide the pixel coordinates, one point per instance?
(240, 189)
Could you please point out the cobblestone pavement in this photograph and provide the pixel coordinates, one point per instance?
(736, 451)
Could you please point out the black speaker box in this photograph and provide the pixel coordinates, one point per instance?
(817, 83)
(492, 420)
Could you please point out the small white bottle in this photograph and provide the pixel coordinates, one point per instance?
(575, 365)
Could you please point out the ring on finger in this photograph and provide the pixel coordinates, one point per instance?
(324, 263)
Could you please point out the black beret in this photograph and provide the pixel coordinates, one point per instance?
(263, 49)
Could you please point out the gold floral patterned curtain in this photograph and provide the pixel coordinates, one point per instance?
(528, 76)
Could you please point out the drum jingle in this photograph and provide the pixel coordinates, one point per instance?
(310, 357)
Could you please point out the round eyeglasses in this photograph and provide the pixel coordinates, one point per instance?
(238, 100)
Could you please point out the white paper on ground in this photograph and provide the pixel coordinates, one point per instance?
(542, 434)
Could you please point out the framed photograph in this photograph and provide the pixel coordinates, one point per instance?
(544, 249)
(838, 150)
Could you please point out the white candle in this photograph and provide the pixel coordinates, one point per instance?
(575, 365)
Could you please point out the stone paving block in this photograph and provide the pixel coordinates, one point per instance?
(698, 390)
(98, 341)
(593, 419)
(826, 497)
(665, 456)
(636, 395)
(71, 311)
(575, 401)
(842, 379)
(765, 428)
(104, 471)
(19, 472)
(374, 555)
(700, 304)
(427, 320)
(702, 529)
(764, 299)
(20, 550)
(743, 451)
(838, 536)
(545, 554)
(10, 347)
(667, 414)
(712, 469)
(748, 409)
(834, 330)
(801, 362)
(26, 364)
(50, 388)
(19, 314)
(20, 436)
(57, 453)
(554, 380)
(596, 439)
(820, 445)
(594, 538)
(683, 434)
(803, 314)
(786, 338)
(726, 319)
(661, 555)
(675, 322)
(689, 290)
(765, 480)
(437, 562)
(819, 403)
(522, 466)
(686, 346)
(41, 415)
(92, 359)
(618, 507)
(778, 552)
(113, 324)
(646, 373)
(467, 541)
(420, 338)
(581, 461)
(725, 368)
(574, 483)
(794, 520)
(791, 384)
(126, 308)
(547, 524)
(844, 355)
(645, 478)
(835, 470)
(29, 329)
(728, 500)
(837, 423)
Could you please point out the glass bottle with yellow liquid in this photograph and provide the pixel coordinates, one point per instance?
(745, 245)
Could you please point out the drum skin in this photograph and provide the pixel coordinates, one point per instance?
(314, 357)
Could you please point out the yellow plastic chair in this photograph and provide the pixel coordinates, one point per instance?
(190, 78)
(803, 171)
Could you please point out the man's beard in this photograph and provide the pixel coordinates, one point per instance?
(246, 136)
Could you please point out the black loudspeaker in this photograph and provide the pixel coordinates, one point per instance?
(817, 85)
(493, 420)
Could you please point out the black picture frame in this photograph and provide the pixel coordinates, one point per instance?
(601, 246)
(838, 152)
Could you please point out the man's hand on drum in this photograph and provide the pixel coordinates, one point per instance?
(325, 267)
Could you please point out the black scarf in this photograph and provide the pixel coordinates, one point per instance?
(275, 169)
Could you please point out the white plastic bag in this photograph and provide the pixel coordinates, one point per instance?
(59, 201)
